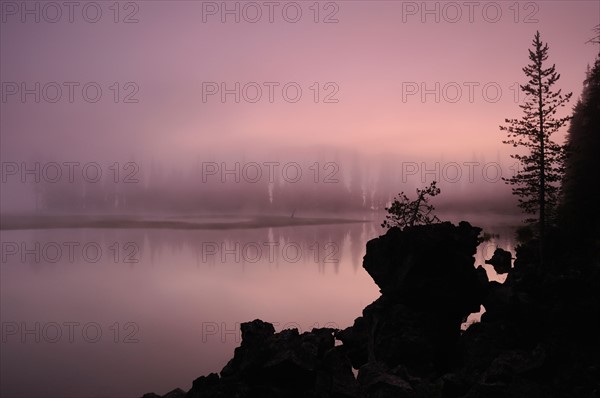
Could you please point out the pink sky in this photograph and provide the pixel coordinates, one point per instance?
(368, 54)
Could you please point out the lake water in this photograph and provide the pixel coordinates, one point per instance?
(121, 312)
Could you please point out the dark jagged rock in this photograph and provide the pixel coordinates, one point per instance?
(426, 294)
(501, 261)
(378, 382)
(452, 386)
(335, 375)
(538, 336)
(403, 341)
(284, 364)
(429, 266)
(483, 280)
(286, 359)
(497, 301)
(206, 386)
(176, 393)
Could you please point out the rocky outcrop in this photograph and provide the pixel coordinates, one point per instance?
(409, 337)
(501, 261)
(176, 393)
(537, 338)
(284, 364)
(426, 295)
(429, 266)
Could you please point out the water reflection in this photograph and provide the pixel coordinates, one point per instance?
(167, 303)
(119, 312)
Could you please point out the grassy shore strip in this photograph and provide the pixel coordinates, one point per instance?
(115, 222)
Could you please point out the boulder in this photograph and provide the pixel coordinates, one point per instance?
(335, 376)
(176, 393)
(284, 364)
(426, 295)
(377, 381)
(430, 267)
(501, 261)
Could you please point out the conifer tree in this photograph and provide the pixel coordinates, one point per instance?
(581, 191)
(541, 169)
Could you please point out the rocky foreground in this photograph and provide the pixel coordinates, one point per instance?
(539, 336)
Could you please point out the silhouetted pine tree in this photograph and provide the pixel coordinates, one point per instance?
(537, 181)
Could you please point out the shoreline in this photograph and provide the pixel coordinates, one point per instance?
(13, 223)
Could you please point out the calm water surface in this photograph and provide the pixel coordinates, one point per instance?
(116, 313)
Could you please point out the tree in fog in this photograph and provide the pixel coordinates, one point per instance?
(536, 183)
(405, 213)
